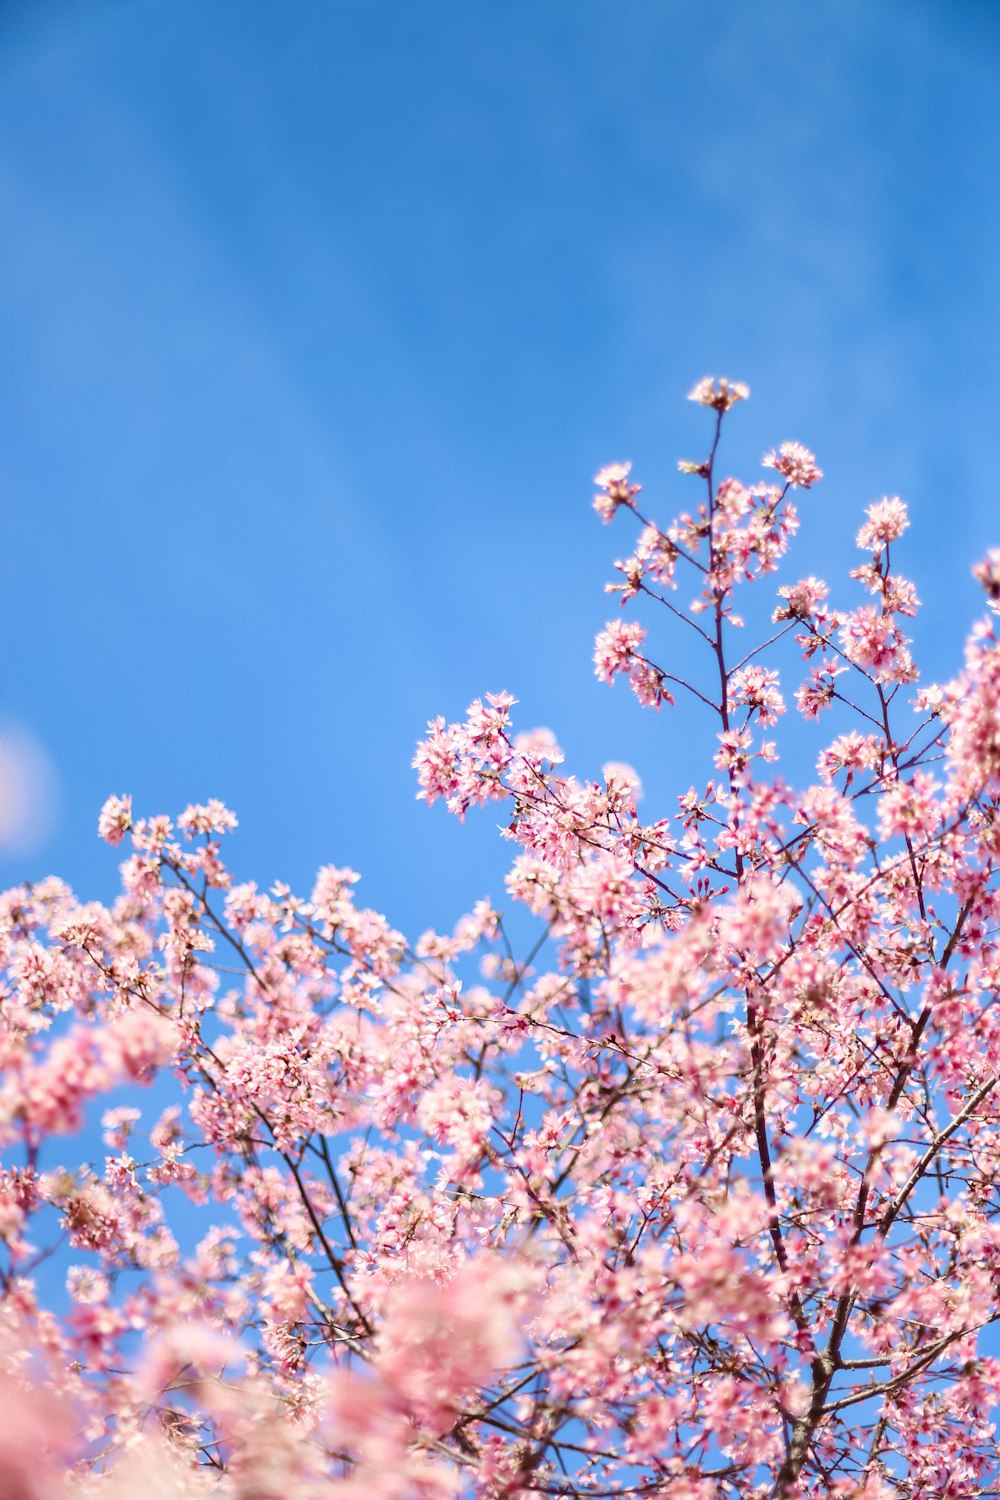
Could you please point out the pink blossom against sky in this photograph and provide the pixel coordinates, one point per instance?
(317, 325)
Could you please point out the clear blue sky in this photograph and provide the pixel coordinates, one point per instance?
(318, 318)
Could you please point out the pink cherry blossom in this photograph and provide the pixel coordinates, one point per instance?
(720, 394)
(756, 688)
(115, 820)
(796, 464)
(615, 490)
(667, 1169)
(616, 648)
(887, 520)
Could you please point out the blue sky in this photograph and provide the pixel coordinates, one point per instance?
(318, 319)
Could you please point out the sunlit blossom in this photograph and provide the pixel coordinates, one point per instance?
(668, 1168)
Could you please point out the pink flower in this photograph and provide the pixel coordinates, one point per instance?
(887, 520)
(796, 463)
(819, 691)
(37, 1436)
(851, 752)
(115, 819)
(734, 750)
(615, 490)
(648, 685)
(207, 817)
(440, 1342)
(616, 647)
(803, 600)
(870, 639)
(756, 688)
(622, 780)
(719, 394)
(538, 745)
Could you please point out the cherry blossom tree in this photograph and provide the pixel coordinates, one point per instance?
(696, 1198)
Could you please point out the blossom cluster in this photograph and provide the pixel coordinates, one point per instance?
(695, 1197)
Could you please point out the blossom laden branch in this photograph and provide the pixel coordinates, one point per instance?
(636, 1206)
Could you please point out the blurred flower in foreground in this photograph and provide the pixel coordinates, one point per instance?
(27, 791)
